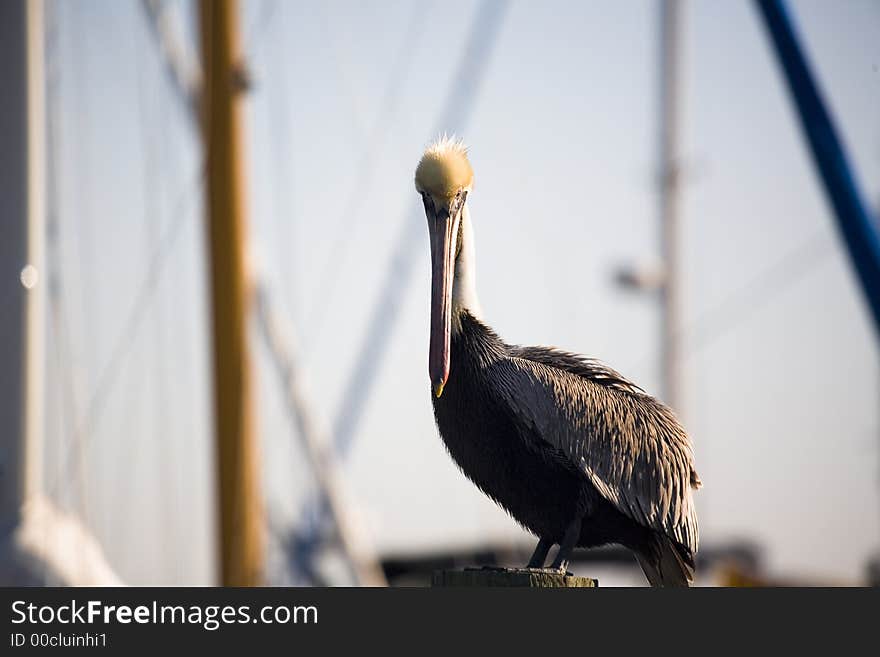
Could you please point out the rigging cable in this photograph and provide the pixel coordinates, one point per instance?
(65, 386)
(755, 294)
(181, 63)
(469, 77)
(110, 371)
(366, 170)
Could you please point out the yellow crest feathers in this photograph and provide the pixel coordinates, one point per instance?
(444, 168)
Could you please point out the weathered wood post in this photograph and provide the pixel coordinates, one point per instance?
(536, 578)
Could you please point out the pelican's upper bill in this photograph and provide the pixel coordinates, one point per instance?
(444, 169)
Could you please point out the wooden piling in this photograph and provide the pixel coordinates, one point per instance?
(536, 578)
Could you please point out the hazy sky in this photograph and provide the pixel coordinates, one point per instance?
(781, 369)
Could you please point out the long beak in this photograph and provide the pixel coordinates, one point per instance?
(443, 230)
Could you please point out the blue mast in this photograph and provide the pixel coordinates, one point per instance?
(858, 228)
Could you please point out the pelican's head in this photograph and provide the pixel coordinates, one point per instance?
(443, 178)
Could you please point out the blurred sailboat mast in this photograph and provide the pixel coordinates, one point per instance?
(665, 280)
(240, 507)
(39, 544)
(670, 20)
(22, 180)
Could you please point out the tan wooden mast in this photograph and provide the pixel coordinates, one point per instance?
(240, 507)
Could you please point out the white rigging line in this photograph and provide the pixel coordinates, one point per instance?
(362, 561)
(472, 66)
(181, 62)
(77, 458)
(471, 73)
(754, 295)
(186, 79)
(761, 290)
(365, 172)
(64, 379)
(65, 386)
(154, 151)
(279, 117)
(324, 466)
(142, 297)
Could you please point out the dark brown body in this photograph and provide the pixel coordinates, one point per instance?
(508, 459)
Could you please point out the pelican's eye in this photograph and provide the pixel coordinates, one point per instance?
(460, 198)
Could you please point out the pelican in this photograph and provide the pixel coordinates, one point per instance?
(574, 452)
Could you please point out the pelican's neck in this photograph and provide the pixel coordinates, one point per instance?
(464, 290)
